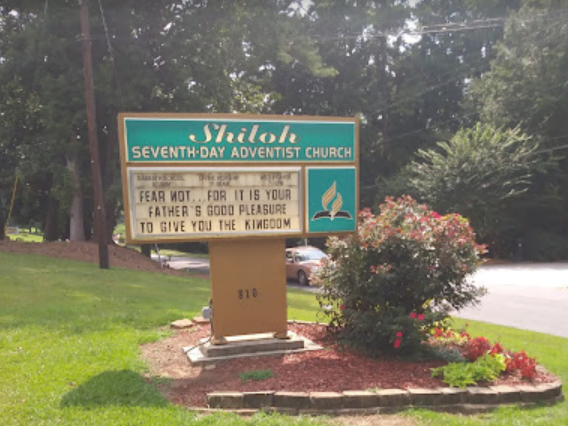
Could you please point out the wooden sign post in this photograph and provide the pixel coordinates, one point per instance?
(244, 183)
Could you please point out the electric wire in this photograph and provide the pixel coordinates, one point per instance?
(438, 125)
(466, 67)
(551, 36)
(553, 16)
(110, 50)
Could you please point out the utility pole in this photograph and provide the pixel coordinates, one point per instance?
(100, 214)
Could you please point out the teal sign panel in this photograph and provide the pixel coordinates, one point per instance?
(332, 199)
(227, 140)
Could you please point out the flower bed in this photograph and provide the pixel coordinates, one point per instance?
(336, 369)
(475, 360)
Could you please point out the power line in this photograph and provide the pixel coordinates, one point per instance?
(552, 36)
(468, 115)
(110, 50)
(555, 16)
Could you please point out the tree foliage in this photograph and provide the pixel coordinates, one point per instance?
(526, 87)
(477, 173)
(414, 73)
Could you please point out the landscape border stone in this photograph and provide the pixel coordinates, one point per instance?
(471, 400)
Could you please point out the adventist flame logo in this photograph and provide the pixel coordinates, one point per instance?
(336, 205)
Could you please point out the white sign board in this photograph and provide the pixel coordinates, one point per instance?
(216, 202)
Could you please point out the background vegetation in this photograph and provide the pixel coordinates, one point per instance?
(415, 73)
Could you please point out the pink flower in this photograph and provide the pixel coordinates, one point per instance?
(412, 315)
(397, 343)
(399, 334)
(436, 215)
(421, 317)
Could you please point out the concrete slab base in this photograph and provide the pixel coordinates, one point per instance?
(253, 345)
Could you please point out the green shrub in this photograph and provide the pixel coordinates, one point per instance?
(486, 369)
(401, 272)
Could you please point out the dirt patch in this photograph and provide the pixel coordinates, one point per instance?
(383, 420)
(119, 257)
(334, 369)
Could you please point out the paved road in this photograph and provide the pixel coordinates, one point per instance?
(196, 265)
(526, 296)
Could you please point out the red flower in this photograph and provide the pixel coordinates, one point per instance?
(341, 307)
(397, 343)
(412, 315)
(399, 334)
(496, 349)
(476, 347)
(421, 317)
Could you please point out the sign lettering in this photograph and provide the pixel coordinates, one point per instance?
(189, 202)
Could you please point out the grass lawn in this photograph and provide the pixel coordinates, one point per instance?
(26, 237)
(69, 337)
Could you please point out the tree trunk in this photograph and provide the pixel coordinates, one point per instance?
(109, 166)
(51, 231)
(1, 227)
(76, 218)
(385, 94)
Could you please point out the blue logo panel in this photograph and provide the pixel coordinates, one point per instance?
(332, 199)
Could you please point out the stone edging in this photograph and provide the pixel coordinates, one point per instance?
(469, 400)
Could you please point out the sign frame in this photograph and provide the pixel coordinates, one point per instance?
(275, 166)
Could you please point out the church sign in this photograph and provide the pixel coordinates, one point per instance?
(190, 177)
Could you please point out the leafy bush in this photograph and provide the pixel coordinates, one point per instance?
(404, 270)
(486, 369)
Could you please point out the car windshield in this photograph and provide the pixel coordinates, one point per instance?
(311, 255)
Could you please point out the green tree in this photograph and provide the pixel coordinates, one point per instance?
(478, 174)
(526, 87)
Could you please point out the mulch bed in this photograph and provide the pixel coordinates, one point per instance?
(332, 369)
